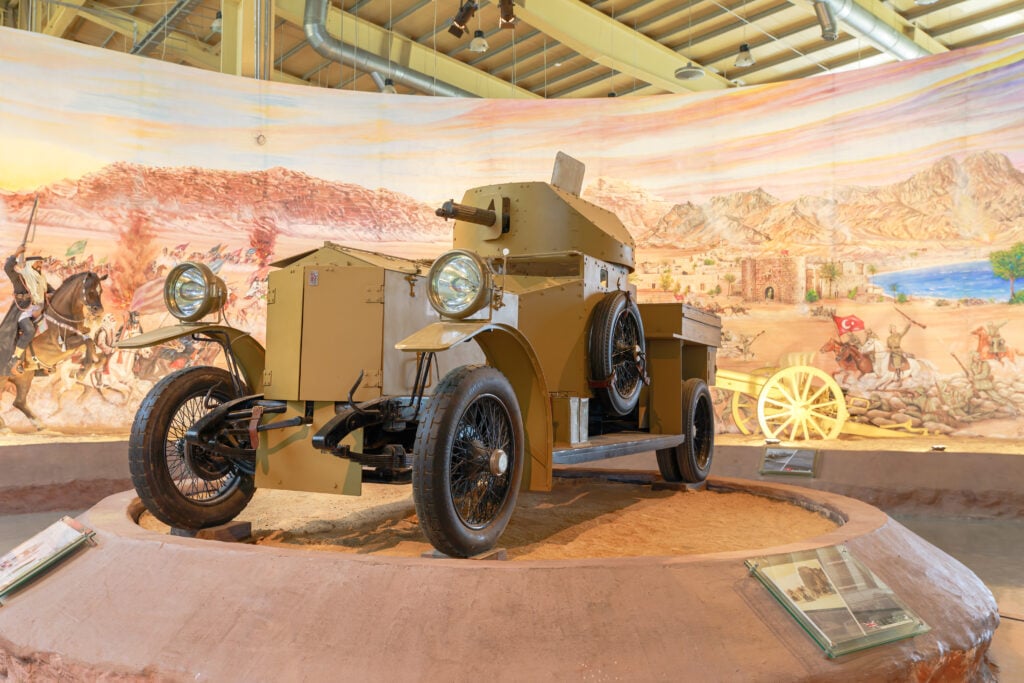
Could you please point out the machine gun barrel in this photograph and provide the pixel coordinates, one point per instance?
(463, 212)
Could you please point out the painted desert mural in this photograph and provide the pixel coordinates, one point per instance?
(869, 224)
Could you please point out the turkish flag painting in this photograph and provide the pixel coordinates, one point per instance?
(849, 323)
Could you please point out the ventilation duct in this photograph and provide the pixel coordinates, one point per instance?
(314, 23)
(874, 30)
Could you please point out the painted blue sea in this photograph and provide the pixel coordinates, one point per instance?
(973, 279)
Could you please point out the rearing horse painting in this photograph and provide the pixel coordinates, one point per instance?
(70, 313)
(849, 358)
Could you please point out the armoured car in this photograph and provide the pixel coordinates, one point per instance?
(469, 377)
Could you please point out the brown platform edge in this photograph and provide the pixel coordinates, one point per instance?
(167, 607)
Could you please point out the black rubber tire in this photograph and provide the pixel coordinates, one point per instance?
(615, 330)
(690, 461)
(461, 523)
(668, 465)
(156, 446)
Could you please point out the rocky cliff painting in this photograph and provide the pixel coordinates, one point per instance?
(869, 224)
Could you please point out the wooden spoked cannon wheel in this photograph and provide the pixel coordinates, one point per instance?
(798, 402)
(801, 402)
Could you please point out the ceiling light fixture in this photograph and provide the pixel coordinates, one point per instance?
(461, 18)
(507, 14)
(479, 43)
(389, 87)
(925, 3)
(744, 57)
(826, 20)
(217, 25)
(689, 72)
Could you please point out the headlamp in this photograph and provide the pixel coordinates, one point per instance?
(458, 284)
(192, 291)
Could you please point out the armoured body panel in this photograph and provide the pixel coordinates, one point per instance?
(329, 305)
(555, 309)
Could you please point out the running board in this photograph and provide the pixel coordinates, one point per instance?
(614, 445)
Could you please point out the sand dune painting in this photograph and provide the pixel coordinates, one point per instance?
(868, 223)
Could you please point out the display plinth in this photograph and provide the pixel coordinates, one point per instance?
(172, 607)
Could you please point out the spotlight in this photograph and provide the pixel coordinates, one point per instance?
(744, 57)
(479, 43)
(507, 18)
(218, 23)
(389, 87)
(827, 21)
(465, 13)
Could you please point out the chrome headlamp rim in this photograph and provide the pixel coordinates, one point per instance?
(477, 302)
(214, 292)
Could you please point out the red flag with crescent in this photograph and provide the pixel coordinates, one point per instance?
(849, 323)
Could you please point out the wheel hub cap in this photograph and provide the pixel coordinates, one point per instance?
(499, 462)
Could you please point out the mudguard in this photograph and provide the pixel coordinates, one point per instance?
(510, 352)
(249, 353)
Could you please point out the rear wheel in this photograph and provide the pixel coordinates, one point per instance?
(690, 461)
(617, 353)
(182, 485)
(468, 461)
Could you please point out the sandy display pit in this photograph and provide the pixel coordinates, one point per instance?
(579, 518)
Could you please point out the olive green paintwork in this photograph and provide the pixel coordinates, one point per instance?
(248, 352)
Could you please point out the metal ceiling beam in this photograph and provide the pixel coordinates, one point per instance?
(188, 49)
(967, 22)
(62, 18)
(164, 25)
(372, 40)
(613, 44)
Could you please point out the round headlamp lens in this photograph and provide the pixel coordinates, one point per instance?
(457, 284)
(192, 291)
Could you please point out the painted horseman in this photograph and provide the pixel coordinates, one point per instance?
(31, 291)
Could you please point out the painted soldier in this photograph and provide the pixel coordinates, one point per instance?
(30, 293)
(898, 359)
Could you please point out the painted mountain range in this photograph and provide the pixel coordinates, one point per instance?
(976, 203)
(190, 202)
(967, 206)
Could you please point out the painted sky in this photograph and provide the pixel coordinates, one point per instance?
(70, 109)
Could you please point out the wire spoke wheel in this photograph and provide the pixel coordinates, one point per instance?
(690, 461)
(201, 477)
(479, 478)
(184, 485)
(617, 353)
(469, 461)
(801, 402)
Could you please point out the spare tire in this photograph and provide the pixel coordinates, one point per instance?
(617, 353)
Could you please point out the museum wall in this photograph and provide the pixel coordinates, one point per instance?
(827, 220)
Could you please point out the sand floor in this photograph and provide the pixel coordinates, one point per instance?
(579, 518)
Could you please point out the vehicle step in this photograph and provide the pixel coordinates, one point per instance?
(614, 445)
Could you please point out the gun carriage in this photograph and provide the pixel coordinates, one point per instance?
(469, 377)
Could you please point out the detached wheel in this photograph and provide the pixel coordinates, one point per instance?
(617, 352)
(185, 486)
(468, 461)
(690, 461)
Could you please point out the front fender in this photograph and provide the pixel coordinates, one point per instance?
(249, 353)
(510, 352)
